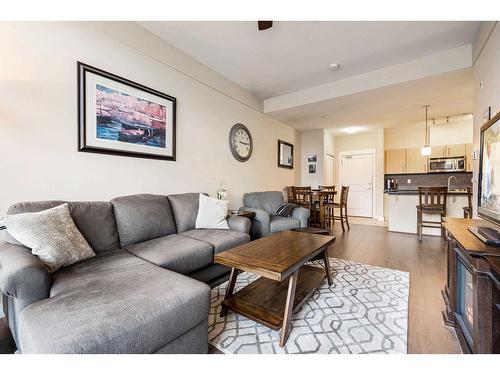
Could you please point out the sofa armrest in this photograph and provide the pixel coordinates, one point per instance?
(301, 214)
(22, 275)
(261, 223)
(239, 223)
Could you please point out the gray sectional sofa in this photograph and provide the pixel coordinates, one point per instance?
(266, 222)
(146, 290)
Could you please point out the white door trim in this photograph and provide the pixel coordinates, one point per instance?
(373, 152)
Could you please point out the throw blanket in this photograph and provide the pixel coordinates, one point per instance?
(286, 209)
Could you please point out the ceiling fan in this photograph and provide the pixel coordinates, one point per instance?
(264, 25)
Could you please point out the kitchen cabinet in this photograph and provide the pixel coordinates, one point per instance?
(395, 161)
(438, 152)
(469, 147)
(455, 150)
(415, 162)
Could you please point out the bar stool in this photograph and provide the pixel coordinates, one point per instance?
(468, 209)
(432, 200)
(328, 201)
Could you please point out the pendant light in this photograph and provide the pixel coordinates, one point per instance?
(426, 150)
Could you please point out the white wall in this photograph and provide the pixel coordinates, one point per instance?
(439, 135)
(486, 69)
(312, 143)
(38, 118)
(364, 141)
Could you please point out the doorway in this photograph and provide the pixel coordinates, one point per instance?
(357, 171)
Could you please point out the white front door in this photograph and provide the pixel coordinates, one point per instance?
(357, 173)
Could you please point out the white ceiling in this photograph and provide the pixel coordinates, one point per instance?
(388, 107)
(296, 55)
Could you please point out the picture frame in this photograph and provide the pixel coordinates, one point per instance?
(285, 154)
(312, 168)
(117, 116)
(312, 158)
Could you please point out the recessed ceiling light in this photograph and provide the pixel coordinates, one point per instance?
(333, 67)
(352, 129)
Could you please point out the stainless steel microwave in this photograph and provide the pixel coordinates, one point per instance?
(455, 164)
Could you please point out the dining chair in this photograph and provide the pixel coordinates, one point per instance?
(432, 201)
(290, 194)
(342, 206)
(303, 197)
(328, 202)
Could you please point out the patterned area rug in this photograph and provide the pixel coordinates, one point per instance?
(365, 310)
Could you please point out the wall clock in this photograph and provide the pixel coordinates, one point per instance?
(240, 142)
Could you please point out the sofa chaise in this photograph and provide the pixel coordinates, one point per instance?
(146, 290)
(266, 221)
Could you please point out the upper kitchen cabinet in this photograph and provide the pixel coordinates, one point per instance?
(469, 147)
(455, 150)
(415, 162)
(395, 161)
(438, 151)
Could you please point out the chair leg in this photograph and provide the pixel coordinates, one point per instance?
(420, 225)
(347, 218)
(342, 219)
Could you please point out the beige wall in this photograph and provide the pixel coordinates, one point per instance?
(312, 143)
(38, 118)
(486, 81)
(364, 141)
(414, 136)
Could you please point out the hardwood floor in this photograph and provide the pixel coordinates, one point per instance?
(426, 262)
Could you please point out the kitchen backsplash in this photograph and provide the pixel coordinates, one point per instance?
(430, 179)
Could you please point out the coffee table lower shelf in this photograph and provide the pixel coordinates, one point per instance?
(264, 300)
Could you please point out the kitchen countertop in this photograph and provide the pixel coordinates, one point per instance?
(415, 192)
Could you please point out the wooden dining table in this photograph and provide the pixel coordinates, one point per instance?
(319, 196)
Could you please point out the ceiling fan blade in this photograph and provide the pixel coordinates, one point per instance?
(264, 25)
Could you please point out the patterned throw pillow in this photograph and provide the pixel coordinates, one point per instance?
(286, 209)
(52, 236)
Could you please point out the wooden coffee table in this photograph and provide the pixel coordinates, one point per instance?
(286, 283)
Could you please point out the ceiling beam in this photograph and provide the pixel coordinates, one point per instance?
(454, 59)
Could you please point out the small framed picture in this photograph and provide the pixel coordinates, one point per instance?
(120, 117)
(312, 158)
(312, 168)
(285, 154)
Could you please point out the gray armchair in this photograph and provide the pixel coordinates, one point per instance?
(266, 222)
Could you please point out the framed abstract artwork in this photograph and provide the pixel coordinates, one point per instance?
(285, 154)
(120, 117)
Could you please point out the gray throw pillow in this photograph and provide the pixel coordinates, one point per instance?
(52, 236)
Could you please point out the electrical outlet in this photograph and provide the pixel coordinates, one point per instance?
(408, 181)
(475, 154)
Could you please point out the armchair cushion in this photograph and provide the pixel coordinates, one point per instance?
(268, 201)
(280, 223)
(260, 223)
(22, 275)
(302, 215)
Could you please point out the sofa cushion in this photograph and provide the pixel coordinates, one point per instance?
(280, 223)
(175, 252)
(220, 239)
(131, 306)
(142, 217)
(185, 209)
(95, 220)
(268, 201)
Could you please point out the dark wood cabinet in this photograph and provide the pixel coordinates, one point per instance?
(472, 292)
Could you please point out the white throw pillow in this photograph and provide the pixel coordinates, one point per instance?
(212, 213)
(51, 235)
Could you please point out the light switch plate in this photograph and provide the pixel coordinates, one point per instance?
(408, 181)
